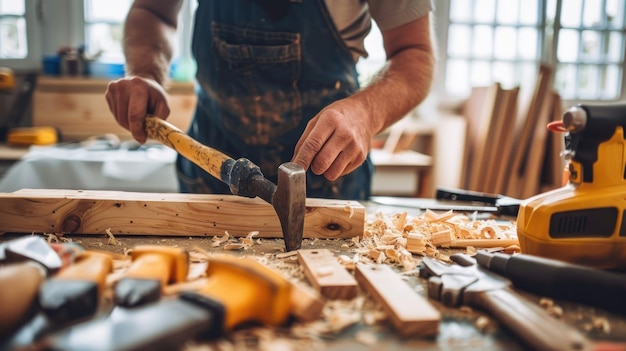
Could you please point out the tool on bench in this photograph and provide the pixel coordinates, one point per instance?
(244, 177)
(70, 296)
(26, 262)
(238, 290)
(584, 221)
(559, 280)
(459, 200)
(152, 268)
(504, 205)
(465, 283)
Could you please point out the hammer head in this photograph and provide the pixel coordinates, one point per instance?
(289, 202)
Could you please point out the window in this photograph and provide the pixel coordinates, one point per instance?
(504, 40)
(19, 36)
(104, 21)
(104, 28)
(13, 42)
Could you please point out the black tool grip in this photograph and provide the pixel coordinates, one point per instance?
(561, 280)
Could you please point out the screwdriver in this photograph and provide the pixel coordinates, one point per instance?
(560, 280)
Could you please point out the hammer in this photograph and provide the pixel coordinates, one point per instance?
(243, 177)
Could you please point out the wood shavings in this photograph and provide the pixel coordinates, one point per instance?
(248, 240)
(366, 337)
(56, 238)
(282, 255)
(234, 246)
(217, 241)
(424, 234)
(602, 324)
(112, 240)
(481, 323)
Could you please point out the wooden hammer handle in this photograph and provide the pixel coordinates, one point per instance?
(209, 159)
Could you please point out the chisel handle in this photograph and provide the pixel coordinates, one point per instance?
(529, 322)
(235, 173)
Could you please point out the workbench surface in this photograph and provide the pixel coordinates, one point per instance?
(459, 329)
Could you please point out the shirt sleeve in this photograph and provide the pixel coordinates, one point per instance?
(390, 14)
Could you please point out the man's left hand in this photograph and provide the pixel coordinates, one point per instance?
(337, 140)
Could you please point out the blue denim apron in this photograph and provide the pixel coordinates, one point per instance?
(265, 68)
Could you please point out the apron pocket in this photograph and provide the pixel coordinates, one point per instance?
(257, 81)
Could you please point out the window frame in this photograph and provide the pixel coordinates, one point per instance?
(32, 11)
(548, 53)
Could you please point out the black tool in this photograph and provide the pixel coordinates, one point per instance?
(559, 280)
(504, 205)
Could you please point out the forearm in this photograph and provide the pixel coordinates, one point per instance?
(148, 42)
(399, 87)
(405, 80)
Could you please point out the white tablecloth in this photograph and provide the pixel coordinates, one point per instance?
(145, 169)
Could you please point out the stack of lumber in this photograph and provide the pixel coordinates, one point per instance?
(509, 148)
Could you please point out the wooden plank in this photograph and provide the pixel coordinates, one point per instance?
(505, 141)
(537, 149)
(524, 140)
(480, 112)
(554, 163)
(327, 275)
(410, 313)
(127, 213)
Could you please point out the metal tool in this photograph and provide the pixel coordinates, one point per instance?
(239, 290)
(465, 283)
(244, 177)
(449, 199)
(153, 267)
(583, 222)
(26, 262)
(504, 205)
(559, 280)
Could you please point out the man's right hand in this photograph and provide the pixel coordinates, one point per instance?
(131, 99)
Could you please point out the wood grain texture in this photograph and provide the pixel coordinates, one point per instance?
(327, 275)
(128, 213)
(410, 313)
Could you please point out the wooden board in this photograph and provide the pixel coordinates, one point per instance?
(327, 275)
(524, 147)
(410, 313)
(505, 142)
(92, 212)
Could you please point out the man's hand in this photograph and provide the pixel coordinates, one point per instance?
(131, 99)
(336, 141)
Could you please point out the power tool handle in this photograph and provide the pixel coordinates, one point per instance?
(570, 282)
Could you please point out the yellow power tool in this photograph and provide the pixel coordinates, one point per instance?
(10, 132)
(584, 222)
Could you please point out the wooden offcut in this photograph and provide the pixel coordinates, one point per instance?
(327, 275)
(410, 313)
(129, 213)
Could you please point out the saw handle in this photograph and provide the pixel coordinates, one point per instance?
(246, 290)
(235, 173)
(167, 264)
